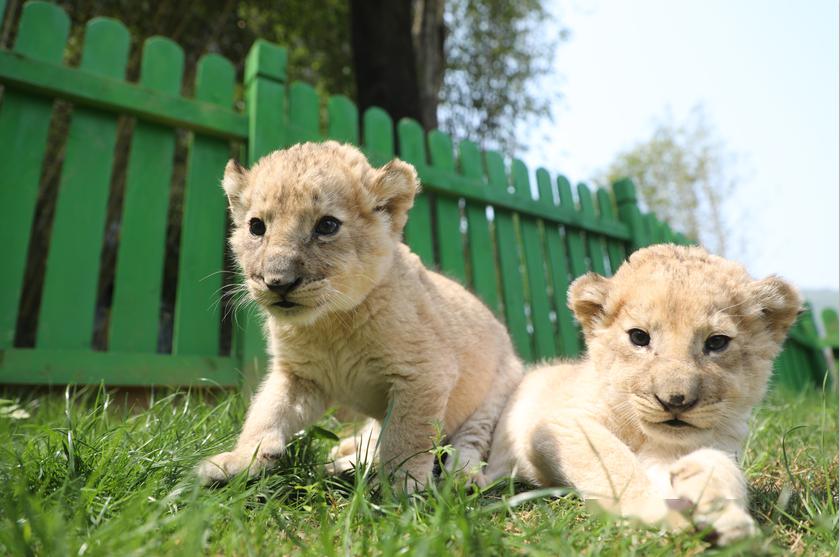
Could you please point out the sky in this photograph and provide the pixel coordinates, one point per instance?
(766, 73)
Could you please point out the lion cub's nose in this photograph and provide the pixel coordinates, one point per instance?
(279, 286)
(676, 403)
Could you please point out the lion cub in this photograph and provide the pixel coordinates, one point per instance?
(353, 317)
(680, 348)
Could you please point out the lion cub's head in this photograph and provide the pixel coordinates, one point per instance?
(685, 340)
(315, 226)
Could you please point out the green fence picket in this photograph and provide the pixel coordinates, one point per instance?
(139, 268)
(418, 229)
(197, 307)
(593, 241)
(479, 243)
(544, 346)
(24, 124)
(628, 213)
(558, 263)
(304, 113)
(448, 216)
(615, 249)
(829, 319)
(378, 136)
(343, 124)
(265, 103)
(509, 262)
(69, 297)
(574, 237)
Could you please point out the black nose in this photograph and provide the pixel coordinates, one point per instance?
(676, 403)
(282, 288)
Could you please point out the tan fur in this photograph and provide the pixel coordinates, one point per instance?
(375, 330)
(596, 423)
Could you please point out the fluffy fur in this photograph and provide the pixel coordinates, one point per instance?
(370, 327)
(599, 425)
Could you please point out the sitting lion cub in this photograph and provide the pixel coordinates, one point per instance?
(353, 317)
(680, 347)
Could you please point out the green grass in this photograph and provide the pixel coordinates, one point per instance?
(83, 475)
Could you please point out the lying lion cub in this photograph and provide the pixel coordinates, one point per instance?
(680, 347)
(353, 317)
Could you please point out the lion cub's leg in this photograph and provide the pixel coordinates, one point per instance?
(580, 451)
(359, 448)
(416, 411)
(284, 405)
(711, 480)
(471, 442)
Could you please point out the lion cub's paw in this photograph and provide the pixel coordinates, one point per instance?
(465, 462)
(221, 467)
(728, 525)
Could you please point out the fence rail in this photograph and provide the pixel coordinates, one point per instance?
(134, 171)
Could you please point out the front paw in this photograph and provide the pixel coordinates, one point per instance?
(728, 525)
(708, 501)
(223, 466)
(464, 462)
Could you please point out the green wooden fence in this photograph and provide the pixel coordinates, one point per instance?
(480, 219)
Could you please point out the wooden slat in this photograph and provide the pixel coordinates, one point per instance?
(568, 332)
(615, 248)
(24, 124)
(343, 122)
(628, 213)
(448, 216)
(378, 136)
(139, 270)
(69, 297)
(418, 229)
(197, 307)
(304, 115)
(265, 103)
(574, 238)
(79, 367)
(593, 241)
(544, 346)
(265, 99)
(829, 319)
(481, 252)
(509, 262)
(657, 232)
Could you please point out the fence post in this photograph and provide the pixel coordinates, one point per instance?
(629, 214)
(265, 104)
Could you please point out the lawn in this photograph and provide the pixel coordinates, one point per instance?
(82, 473)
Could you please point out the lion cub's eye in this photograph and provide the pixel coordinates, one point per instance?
(256, 226)
(638, 337)
(716, 343)
(327, 226)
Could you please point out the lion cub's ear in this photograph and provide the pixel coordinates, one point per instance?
(779, 302)
(394, 187)
(587, 296)
(234, 183)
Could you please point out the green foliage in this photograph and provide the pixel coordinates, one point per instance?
(497, 54)
(83, 475)
(683, 173)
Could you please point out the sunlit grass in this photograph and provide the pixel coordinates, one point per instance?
(84, 474)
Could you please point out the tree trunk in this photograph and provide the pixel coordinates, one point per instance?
(428, 35)
(383, 57)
